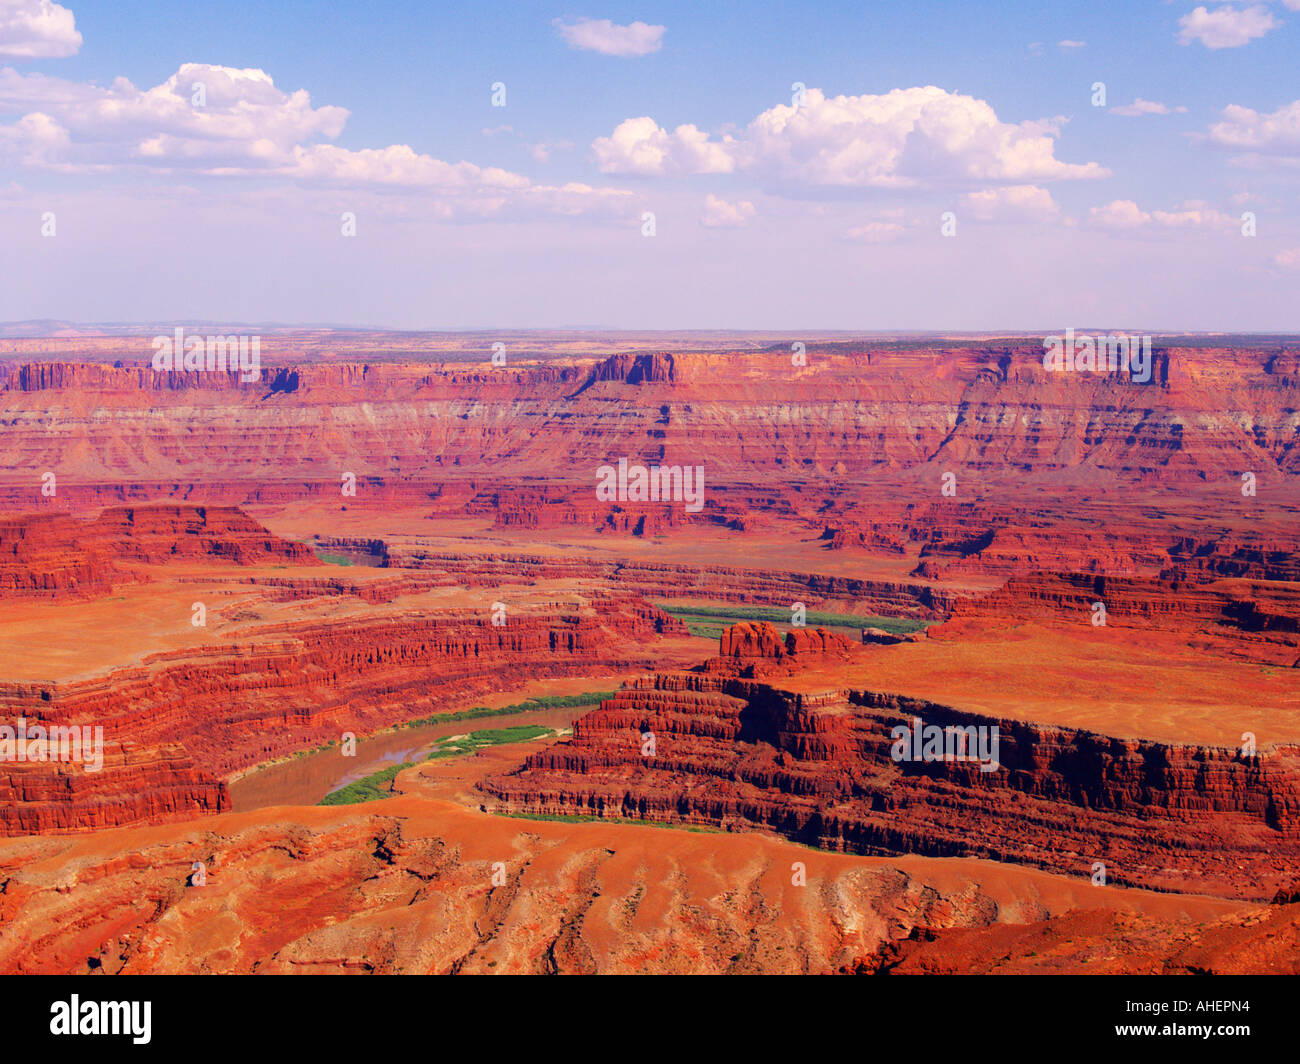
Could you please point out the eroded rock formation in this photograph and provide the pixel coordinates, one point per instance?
(52, 554)
(794, 742)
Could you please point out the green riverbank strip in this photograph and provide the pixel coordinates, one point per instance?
(377, 785)
(708, 622)
(532, 705)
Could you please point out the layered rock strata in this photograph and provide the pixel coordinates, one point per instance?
(773, 735)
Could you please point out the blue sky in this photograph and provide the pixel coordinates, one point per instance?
(769, 213)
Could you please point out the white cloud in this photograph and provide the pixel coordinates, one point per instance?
(34, 140)
(640, 146)
(1120, 214)
(1194, 215)
(544, 149)
(1245, 130)
(1288, 259)
(398, 164)
(719, 214)
(1141, 107)
(37, 29)
(1126, 214)
(904, 139)
(243, 127)
(609, 38)
(245, 122)
(1071, 44)
(1226, 26)
(1014, 202)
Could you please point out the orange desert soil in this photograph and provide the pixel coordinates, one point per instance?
(406, 885)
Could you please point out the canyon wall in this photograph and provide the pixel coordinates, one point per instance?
(53, 555)
(1207, 413)
(284, 689)
(175, 722)
(762, 738)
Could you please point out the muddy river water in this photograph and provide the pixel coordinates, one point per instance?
(306, 780)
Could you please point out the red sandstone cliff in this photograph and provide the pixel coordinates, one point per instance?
(815, 765)
(49, 554)
(990, 409)
(184, 719)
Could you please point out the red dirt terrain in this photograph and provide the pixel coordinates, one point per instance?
(1104, 571)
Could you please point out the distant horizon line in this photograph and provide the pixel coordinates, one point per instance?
(10, 330)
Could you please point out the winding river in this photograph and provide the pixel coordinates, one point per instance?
(306, 780)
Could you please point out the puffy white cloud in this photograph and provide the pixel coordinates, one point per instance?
(34, 140)
(640, 146)
(220, 121)
(37, 29)
(609, 38)
(719, 214)
(1243, 129)
(1226, 26)
(1141, 107)
(1014, 202)
(398, 164)
(1126, 214)
(202, 117)
(903, 139)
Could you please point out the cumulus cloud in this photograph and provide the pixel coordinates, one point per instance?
(1141, 107)
(719, 214)
(906, 138)
(37, 29)
(221, 121)
(202, 117)
(1226, 26)
(1245, 130)
(640, 146)
(609, 38)
(34, 140)
(1126, 214)
(1014, 202)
